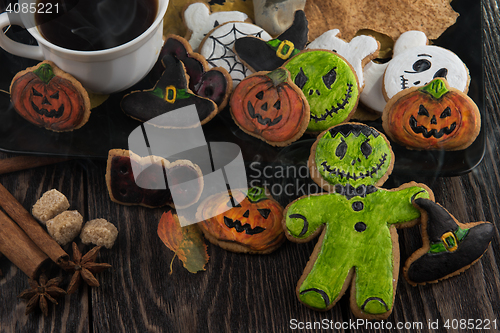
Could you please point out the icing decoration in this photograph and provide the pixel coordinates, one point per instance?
(372, 96)
(359, 51)
(253, 225)
(269, 106)
(329, 84)
(259, 55)
(449, 247)
(214, 83)
(50, 98)
(217, 47)
(123, 188)
(358, 244)
(200, 21)
(170, 93)
(415, 64)
(432, 117)
(275, 16)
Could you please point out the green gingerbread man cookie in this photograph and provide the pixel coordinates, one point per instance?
(357, 220)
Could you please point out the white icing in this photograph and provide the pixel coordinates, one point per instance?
(372, 96)
(355, 52)
(200, 21)
(414, 64)
(218, 47)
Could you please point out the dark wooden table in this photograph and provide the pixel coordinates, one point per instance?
(245, 293)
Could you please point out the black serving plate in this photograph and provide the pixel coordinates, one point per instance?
(108, 127)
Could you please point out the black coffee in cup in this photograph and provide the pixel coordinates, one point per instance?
(92, 25)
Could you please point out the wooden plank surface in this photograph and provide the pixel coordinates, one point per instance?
(245, 293)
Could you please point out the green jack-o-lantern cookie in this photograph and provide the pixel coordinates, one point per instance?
(330, 85)
(356, 221)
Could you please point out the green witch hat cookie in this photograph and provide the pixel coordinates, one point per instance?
(170, 93)
(449, 247)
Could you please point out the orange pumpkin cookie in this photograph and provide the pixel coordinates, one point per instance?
(48, 97)
(269, 106)
(432, 117)
(252, 225)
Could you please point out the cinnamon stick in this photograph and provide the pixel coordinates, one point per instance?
(18, 163)
(31, 227)
(19, 248)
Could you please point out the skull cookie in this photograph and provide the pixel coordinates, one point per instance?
(358, 243)
(330, 85)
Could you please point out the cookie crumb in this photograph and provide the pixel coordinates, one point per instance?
(99, 232)
(65, 226)
(51, 204)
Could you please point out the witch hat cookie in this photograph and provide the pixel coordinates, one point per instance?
(260, 55)
(170, 93)
(449, 247)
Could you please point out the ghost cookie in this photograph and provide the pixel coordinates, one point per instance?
(245, 222)
(199, 21)
(449, 247)
(358, 242)
(217, 47)
(269, 106)
(330, 85)
(433, 117)
(358, 52)
(170, 93)
(50, 98)
(259, 55)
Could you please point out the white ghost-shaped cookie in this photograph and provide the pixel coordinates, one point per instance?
(200, 21)
(358, 52)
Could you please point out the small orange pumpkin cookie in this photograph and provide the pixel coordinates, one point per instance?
(432, 117)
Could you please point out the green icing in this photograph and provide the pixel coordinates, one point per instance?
(45, 73)
(369, 252)
(437, 88)
(256, 194)
(440, 247)
(356, 166)
(180, 93)
(274, 44)
(332, 105)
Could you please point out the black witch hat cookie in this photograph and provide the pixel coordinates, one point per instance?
(170, 93)
(260, 55)
(449, 247)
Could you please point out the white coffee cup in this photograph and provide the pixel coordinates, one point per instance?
(105, 71)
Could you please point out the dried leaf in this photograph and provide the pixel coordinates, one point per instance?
(173, 22)
(238, 5)
(186, 242)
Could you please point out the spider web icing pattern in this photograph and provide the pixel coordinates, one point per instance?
(228, 59)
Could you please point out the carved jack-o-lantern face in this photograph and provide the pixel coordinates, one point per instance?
(329, 84)
(47, 102)
(353, 154)
(432, 117)
(253, 221)
(267, 105)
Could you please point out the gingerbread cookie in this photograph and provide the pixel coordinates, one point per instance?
(212, 83)
(432, 117)
(251, 225)
(269, 106)
(170, 93)
(200, 21)
(217, 47)
(358, 243)
(358, 52)
(449, 247)
(330, 85)
(132, 180)
(50, 98)
(260, 55)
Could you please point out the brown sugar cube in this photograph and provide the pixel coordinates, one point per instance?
(65, 226)
(51, 203)
(99, 232)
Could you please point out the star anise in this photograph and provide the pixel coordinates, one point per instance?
(40, 292)
(84, 268)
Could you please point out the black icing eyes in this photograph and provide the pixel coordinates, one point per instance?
(330, 77)
(341, 149)
(35, 92)
(264, 212)
(366, 149)
(260, 95)
(422, 111)
(445, 113)
(443, 72)
(421, 65)
(301, 79)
